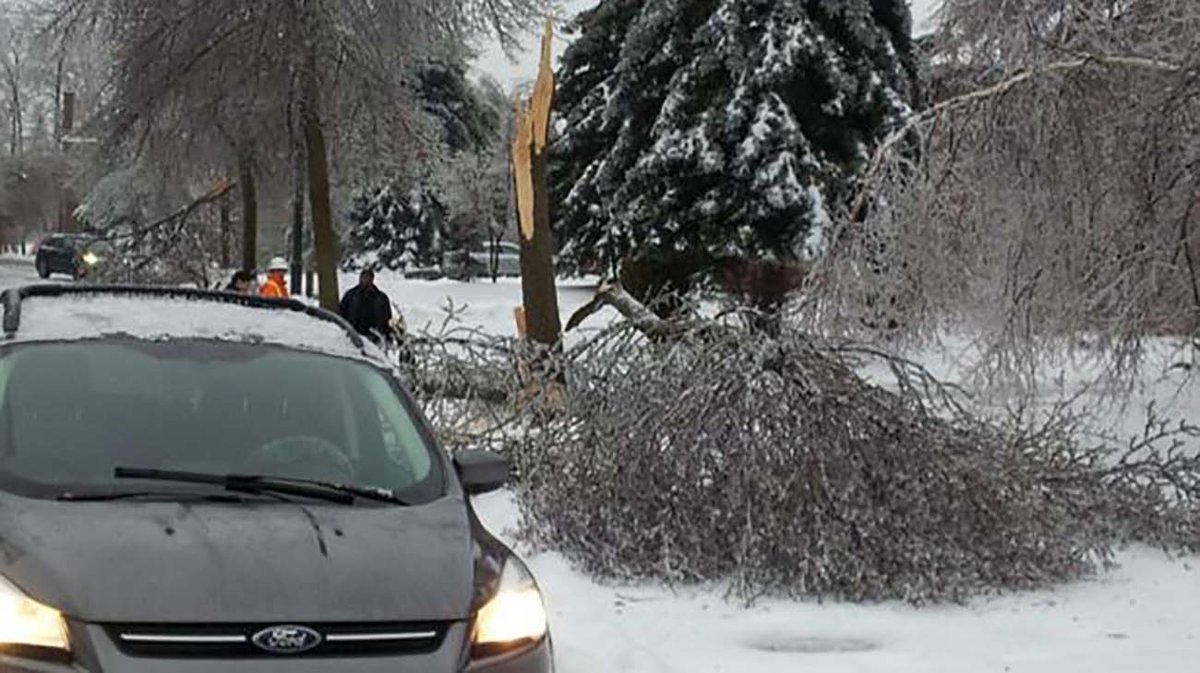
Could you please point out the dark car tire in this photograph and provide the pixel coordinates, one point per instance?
(43, 268)
(474, 271)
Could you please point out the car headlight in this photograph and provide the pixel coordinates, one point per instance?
(91, 258)
(514, 617)
(29, 626)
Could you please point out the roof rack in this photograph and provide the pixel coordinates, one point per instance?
(12, 298)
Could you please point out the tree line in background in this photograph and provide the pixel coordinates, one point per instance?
(450, 202)
(285, 110)
(43, 80)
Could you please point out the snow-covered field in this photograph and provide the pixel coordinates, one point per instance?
(481, 305)
(1139, 617)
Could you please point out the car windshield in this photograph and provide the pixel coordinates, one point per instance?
(73, 413)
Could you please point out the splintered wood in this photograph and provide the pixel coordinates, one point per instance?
(531, 139)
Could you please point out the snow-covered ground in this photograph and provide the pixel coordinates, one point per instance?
(481, 305)
(17, 257)
(1138, 617)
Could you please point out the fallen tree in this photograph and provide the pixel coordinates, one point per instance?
(704, 451)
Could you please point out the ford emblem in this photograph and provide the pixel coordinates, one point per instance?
(286, 639)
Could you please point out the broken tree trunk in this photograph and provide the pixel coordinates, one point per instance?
(533, 205)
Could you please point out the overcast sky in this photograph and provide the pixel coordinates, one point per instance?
(493, 61)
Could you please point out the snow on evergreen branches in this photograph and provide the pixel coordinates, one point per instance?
(394, 229)
(731, 127)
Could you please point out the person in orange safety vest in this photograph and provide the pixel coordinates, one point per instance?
(276, 285)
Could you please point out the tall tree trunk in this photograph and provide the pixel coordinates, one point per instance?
(318, 189)
(297, 202)
(13, 70)
(19, 117)
(533, 208)
(67, 203)
(249, 193)
(298, 224)
(58, 101)
(226, 234)
(324, 240)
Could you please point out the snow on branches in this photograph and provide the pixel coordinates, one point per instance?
(733, 128)
(394, 229)
(702, 451)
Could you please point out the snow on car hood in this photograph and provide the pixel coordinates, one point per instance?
(70, 318)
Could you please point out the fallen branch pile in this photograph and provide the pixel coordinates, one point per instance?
(711, 452)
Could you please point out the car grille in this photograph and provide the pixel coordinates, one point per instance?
(226, 641)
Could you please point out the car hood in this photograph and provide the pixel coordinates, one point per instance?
(243, 563)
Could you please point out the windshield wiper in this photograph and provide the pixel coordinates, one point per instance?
(250, 483)
(114, 496)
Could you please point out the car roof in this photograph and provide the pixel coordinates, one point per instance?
(57, 313)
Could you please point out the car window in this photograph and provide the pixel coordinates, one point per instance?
(70, 414)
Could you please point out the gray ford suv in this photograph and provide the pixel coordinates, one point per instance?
(199, 482)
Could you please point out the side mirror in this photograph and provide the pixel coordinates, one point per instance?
(482, 471)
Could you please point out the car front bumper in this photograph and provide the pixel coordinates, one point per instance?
(539, 659)
(95, 653)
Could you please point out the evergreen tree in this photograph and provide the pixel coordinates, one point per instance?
(722, 128)
(468, 114)
(394, 229)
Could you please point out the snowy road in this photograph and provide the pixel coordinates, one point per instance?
(14, 272)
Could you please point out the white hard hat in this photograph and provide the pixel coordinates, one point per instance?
(278, 264)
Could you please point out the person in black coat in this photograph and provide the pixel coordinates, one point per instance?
(243, 282)
(367, 308)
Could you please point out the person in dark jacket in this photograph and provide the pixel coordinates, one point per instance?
(242, 283)
(367, 308)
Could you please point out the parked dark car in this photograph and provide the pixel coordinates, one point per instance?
(481, 261)
(197, 482)
(72, 254)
